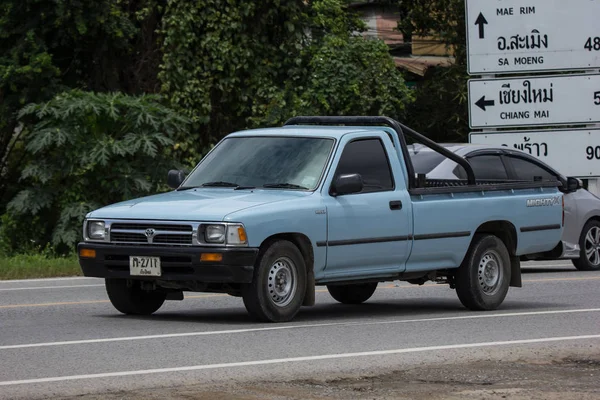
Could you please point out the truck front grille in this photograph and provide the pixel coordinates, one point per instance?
(159, 227)
(151, 233)
(173, 239)
(128, 237)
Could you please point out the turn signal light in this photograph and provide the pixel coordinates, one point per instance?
(87, 253)
(242, 235)
(211, 257)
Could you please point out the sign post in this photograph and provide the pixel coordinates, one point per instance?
(534, 101)
(519, 37)
(508, 36)
(572, 152)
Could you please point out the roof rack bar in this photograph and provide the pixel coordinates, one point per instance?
(400, 129)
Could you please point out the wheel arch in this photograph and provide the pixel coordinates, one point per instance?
(303, 243)
(581, 263)
(507, 233)
(592, 218)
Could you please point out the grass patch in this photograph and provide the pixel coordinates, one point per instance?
(25, 266)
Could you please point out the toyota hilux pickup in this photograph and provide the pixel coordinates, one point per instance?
(269, 214)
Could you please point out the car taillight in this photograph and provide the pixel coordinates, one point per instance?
(563, 211)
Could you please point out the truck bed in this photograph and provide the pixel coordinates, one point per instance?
(439, 186)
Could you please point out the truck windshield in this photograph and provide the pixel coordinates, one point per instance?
(272, 162)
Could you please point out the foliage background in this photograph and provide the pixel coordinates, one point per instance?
(98, 99)
(99, 149)
(440, 109)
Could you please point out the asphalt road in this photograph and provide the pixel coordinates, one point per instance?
(62, 337)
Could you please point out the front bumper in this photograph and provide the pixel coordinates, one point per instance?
(177, 263)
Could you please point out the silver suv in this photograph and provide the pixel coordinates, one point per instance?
(581, 238)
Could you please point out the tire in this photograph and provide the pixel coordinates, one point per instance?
(483, 279)
(352, 294)
(278, 285)
(589, 244)
(132, 299)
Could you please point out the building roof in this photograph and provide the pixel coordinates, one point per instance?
(420, 64)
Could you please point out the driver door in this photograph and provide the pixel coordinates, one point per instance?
(369, 231)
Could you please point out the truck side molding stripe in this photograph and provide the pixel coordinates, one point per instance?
(430, 236)
(364, 241)
(393, 239)
(540, 228)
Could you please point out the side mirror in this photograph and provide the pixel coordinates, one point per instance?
(175, 178)
(573, 184)
(347, 184)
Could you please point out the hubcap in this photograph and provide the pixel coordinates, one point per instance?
(592, 246)
(282, 280)
(489, 272)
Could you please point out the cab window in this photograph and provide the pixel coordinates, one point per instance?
(368, 158)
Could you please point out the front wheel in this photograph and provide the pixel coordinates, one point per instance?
(353, 293)
(589, 244)
(483, 279)
(278, 285)
(132, 299)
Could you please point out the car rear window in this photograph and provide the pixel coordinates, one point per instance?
(425, 161)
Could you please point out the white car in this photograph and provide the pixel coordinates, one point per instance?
(581, 238)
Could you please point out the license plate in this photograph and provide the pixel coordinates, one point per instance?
(144, 266)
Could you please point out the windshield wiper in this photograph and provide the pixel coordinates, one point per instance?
(220, 184)
(284, 185)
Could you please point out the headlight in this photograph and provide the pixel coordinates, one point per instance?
(236, 235)
(96, 230)
(215, 234)
(229, 234)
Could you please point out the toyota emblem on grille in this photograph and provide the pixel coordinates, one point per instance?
(150, 234)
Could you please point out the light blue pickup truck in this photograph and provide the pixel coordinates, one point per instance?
(269, 214)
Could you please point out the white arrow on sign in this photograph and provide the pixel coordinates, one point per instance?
(534, 101)
(512, 36)
(571, 152)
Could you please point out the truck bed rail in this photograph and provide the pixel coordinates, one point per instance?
(441, 186)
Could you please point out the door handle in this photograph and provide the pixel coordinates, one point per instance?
(395, 205)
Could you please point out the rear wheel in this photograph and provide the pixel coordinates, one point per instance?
(279, 283)
(132, 299)
(353, 293)
(589, 244)
(483, 279)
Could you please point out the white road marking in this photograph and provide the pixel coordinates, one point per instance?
(287, 327)
(534, 265)
(47, 287)
(296, 359)
(69, 278)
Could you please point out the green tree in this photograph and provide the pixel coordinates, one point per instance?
(222, 58)
(444, 19)
(48, 46)
(440, 109)
(345, 76)
(235, 64)
(224, 64)
(88, 150)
